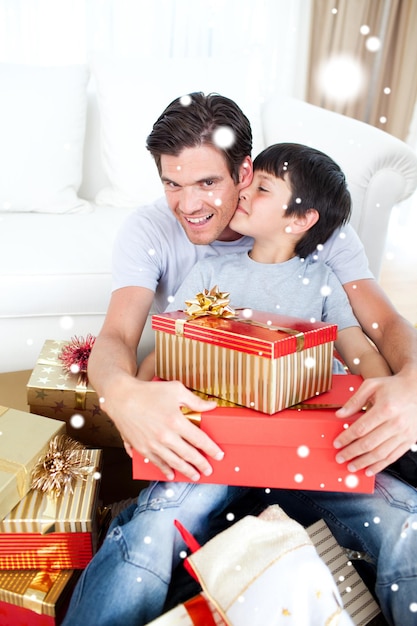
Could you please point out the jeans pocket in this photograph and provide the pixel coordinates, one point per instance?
(397, 492)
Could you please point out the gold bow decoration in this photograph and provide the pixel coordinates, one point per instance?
(210, 302)
(60, 466)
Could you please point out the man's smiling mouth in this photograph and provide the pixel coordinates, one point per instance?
(199, 220)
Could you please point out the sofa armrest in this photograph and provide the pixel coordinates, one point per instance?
(380, 169)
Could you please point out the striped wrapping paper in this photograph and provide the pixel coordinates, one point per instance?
(55, 534)
(24, 437)
(35, 597)
(267, 363)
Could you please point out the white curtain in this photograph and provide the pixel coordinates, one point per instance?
(274, 34)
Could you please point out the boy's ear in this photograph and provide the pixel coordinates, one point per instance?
(302, 223)
(245, 173)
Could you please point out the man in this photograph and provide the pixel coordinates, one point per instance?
(204, 166)
(155, 251)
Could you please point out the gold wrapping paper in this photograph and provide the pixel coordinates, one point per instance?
(24, 438)
(40, 591)
(53, 392)
(71, 512)
(267, 385)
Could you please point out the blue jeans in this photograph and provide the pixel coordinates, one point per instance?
(127, 581)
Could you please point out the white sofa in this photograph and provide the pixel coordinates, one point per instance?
(74, 164)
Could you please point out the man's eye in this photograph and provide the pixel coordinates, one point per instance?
(209, 182)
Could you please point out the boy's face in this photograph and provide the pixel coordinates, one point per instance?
(201, 193)
(261, 212)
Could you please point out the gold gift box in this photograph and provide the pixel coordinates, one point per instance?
(267, 362)
(54, 533)
(24, 438)
(53, 392)
(35, 597)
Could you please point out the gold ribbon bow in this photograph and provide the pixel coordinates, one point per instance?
(60, 466)
(210, 302)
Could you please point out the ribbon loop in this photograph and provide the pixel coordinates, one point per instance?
(210, 302)
(19, 470)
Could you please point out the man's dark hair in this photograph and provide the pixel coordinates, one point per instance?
(316, 181)
(191, 121)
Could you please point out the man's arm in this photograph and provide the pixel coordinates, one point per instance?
(147, 414)
(388, 429)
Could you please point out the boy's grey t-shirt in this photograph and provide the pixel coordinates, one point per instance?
(307, 289)
(152, 250)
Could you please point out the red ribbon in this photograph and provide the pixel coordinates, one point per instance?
(199, 611)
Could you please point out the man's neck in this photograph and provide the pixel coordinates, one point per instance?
(229, 235)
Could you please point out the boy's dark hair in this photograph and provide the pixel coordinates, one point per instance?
(190, 121)
(316, 181)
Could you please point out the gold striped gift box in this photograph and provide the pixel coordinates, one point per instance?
(35, 597)
(266, 362)
(41, 532)
(24, 438)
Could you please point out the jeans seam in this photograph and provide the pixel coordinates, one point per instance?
(118, 539)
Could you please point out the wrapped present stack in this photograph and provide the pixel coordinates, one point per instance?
(58, 388)
(264, 361)
(272, 378)
(49, 486)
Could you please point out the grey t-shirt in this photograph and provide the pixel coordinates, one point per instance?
(307, 289)
(152, 250)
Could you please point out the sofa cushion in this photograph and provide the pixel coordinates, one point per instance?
(132, 94)
(42, 128)
(55, 279)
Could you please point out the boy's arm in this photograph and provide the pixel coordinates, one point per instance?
(359, 354)
(146, 369)
(388, 429)
(147, 414)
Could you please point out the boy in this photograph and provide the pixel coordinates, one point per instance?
(297, 199)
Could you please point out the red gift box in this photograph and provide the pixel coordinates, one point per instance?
(46, 533)
(35, 597)
(292, 449)
(265, 362)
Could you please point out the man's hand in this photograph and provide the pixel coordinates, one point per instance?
(150, 420)
(386, 430)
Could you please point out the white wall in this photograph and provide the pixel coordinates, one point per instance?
(270, 36)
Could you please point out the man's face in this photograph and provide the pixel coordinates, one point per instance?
(201, 192)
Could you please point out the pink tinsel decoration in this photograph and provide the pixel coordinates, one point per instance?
(75, 355)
